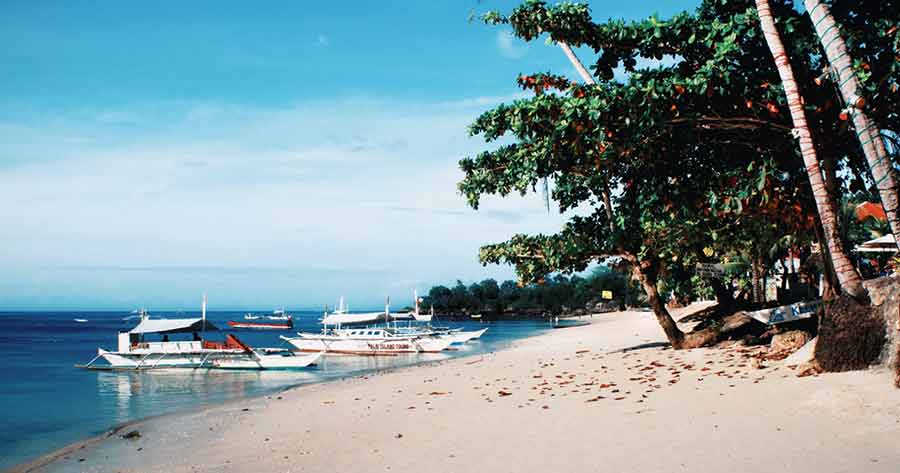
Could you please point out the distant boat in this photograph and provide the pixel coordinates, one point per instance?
(136, 314)
(278, 315)
(287, 324)
(476, 316)
(81, 321)
(250, 316)
(342, 316)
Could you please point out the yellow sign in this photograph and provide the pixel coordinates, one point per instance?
(606, 295)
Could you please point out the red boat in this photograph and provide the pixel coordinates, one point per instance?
(281, 325)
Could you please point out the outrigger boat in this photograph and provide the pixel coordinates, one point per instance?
(136, 352)
(456, 335)
(367, 341)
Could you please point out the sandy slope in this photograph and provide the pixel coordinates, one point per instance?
(572, 406)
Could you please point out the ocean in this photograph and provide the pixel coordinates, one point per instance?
(47, 403)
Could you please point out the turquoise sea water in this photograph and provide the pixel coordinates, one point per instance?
(46, 403)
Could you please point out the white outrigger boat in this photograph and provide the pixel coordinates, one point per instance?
(367, 341)
(135, 352)
(380, 340)
(456, 335)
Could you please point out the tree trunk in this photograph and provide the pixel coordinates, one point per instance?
(848, 278)
(648, 282)
(784, 276)
(758, 279)
(829, 280)
(724, 295)
(868, 132)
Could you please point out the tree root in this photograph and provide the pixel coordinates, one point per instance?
(702, 338)
(851, 336)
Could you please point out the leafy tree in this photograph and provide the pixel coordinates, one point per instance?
(556, 295)
(459, 296)
(700, 153)
(439, 297)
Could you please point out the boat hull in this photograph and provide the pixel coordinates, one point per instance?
(433, 344)
(268, 362)
(459, 338)
(353, 346)
(162, 359)
(260, 325)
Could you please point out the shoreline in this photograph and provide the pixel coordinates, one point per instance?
(606, 395)
(48, 458)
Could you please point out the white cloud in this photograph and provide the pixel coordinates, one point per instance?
(353, 186)
(509, 46)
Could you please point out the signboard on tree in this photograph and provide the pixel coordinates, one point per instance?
(710, 270)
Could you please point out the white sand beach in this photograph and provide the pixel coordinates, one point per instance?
(568, 400)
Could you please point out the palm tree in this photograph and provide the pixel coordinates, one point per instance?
(849, 279)
(868, 133)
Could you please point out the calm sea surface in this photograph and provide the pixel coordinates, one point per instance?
(46, 403)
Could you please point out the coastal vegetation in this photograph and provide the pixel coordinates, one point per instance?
(557, 295)
(731, 132)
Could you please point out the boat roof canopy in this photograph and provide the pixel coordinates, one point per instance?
(172, 326)
(349, 319)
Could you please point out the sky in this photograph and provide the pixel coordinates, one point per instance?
(276, 154)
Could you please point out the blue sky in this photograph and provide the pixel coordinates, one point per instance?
(284, 153)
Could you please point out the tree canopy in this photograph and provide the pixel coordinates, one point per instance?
(696, 152)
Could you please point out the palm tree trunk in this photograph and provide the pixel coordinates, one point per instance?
(869, 135)
(850, 281)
